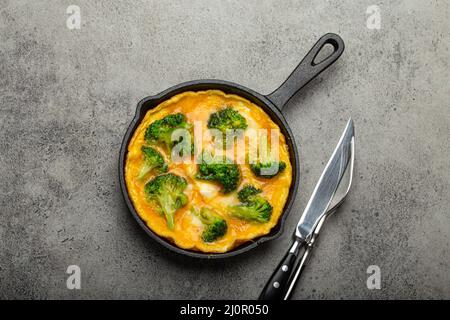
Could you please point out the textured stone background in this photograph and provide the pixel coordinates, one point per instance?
(67, 96)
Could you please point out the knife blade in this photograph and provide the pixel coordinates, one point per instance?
(280, 284)
(326, 186)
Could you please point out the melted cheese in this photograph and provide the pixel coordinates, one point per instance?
(197, 106)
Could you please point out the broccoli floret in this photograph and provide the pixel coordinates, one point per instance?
(166, 191)
(153, 160)
(254, 207)
(247, 192)
(226, 119)
(261, 169)
(226, 174)
(267, 167)
(160, 131)
(257, 211)
(214, 225)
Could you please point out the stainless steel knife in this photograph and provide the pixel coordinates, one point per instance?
(282, 281)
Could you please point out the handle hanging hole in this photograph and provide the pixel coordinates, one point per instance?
(327, 50)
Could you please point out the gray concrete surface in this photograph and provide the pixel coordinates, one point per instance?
(67, 97)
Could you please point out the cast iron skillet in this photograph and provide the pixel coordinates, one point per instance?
(272, 104)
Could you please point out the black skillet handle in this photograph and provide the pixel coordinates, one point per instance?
(307, 69)
(277, 286)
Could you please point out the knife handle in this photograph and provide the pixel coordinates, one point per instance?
(278, 284)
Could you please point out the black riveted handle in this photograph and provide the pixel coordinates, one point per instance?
(277, 285)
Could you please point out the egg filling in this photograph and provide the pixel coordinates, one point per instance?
(188, 227)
